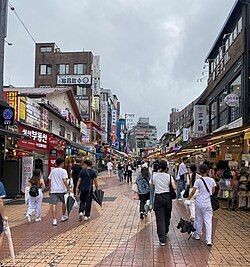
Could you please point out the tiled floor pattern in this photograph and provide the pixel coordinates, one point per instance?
(115, 236)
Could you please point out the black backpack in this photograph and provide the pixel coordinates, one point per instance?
(34, 191)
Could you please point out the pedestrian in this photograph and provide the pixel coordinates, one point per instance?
(129, 173)
(2, 217)
(233, 192)
(243, 189)
(191, 178)
(58, 187)
(110, 167)
(181, 177)
(75, 170)
(120, 172)
(87, 177)
(203, 207)
(142, 182)
(35, 198)
(162, 182)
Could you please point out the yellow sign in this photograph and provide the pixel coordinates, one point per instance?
(22, 109)
(247, 135)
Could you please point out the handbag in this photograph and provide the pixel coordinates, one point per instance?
(186, 192)
(214, 200)
(171, 189)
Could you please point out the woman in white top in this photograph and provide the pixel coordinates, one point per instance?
(203, 208)
(163, 202)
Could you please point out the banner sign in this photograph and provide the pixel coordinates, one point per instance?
(96, 67)
(12, 99)
(27, 171)
(114, 117)
(185, 134)
(95, 103)
(96, 86)
(232, 100)
(200, 114)
(73, 79)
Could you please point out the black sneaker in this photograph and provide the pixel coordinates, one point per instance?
(141, 215)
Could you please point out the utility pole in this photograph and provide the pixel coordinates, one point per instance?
(3, 34)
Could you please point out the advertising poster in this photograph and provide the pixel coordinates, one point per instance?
(27, 171)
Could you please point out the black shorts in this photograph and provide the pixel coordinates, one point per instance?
(1, 225)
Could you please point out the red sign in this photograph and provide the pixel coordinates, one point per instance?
(38, 139)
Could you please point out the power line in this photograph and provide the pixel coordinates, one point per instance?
(26, 29)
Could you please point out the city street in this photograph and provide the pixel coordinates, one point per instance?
(115, 236)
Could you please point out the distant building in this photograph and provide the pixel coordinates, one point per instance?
(142, 135)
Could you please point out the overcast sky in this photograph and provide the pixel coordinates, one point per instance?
(152, 51)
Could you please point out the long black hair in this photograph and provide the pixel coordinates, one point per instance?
(193, 169)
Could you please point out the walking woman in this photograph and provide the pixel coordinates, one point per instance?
(35, 196)
(142, 182)
(203, 208)
(162, 182)
(120, 172)
(129, 173)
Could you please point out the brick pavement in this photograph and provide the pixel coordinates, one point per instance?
(115, 236)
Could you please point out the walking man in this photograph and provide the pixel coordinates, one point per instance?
(181, 177)
(75, 170)
(85, 182)
(2, 218)
(58, 187)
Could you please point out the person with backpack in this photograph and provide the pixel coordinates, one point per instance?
(143, 188)
(35, 198)
(87, 177)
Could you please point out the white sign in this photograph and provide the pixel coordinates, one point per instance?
(104, 120)
(228, 157)
(73, 79)
(96, 67)
(245, 157)
(114, 116)
(96, 86)
(40, 138)
(64, 113)
(83, 128)
(235, 124)
(200, 115)
(185, 134)
(130, 121)
(27, 171)
(232, 100)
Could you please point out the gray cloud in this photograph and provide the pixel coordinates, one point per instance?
(152, 51)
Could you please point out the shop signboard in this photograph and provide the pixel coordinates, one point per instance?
(95, 103)
(228, 157)
(245, 157)
(114, 117)
(7, 115)
(73, 79)
(130, 121)
(232, 100)
(27, 171)
(200, 115)
(22, 109)
(96, 67)
(96, 87)
(104, 120)
(11, 97)
(33, 113)
(185, 134)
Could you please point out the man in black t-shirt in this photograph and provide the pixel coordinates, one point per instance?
(87, 177)
(75, 170)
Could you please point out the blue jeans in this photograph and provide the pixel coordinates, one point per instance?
(180, 187)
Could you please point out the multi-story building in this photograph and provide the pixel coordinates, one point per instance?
(79, 70)
(227, 94)
(142, 135)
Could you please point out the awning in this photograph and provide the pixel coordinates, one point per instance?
(8, 133)
(120, 153)
(76, 145)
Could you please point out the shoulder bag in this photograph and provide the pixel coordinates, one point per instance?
(214, 200)
(171, 189)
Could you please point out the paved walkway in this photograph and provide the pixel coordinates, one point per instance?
(115, 236)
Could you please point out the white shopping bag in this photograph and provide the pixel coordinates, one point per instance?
(27, 195)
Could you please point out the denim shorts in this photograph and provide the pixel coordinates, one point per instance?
(1, 225)
(56, 197)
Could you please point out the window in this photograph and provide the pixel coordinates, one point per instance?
(50, 125)
(240, 25)
(80, 68)
(62, 131)
(235, 88)
(45, 69)
(46, 49)
(223, 111)
(81, 90)
(235, 32)
(69, 136)
(227, 44)
(63, 69)
(74, 137)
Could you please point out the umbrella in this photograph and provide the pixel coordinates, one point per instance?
(186, 227)
(70, 202)
(98, 196)
(11, 247)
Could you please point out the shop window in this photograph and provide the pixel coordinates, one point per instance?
(223, 118)
(62, 131)
(235, 88)
(45, 69)
(63, 69)
(74, 137)
(80, 68)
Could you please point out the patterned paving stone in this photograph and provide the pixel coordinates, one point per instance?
(115, 236)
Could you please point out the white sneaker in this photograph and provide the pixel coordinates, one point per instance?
(54, 222)
(196, 237)
(86, 218)
(38, 219)
(80, 216)
(180, 199)
(27, 217)
(64, 218)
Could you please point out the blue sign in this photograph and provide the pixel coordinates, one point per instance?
(6, 115)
